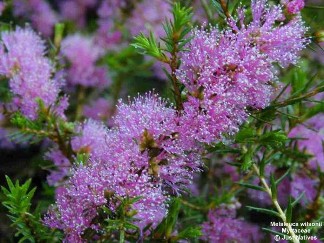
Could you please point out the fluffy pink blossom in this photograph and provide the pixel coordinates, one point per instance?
(223, 75)
(117, 175)
(294, 6)
(82, 54)
(28, 70)
(40, 13)
(148, 16)
(153, 125)
(100, 109)
(109, 12)
(281, 42)
(227, 72)
(311, 139)
(76, 10)
(62, 167)
(223, 226)
(143, 157)
(91, 139)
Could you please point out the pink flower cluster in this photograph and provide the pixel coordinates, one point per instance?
(142, 157)
(117, 175)
(228, 72)
(150, 16)
(82, 53)
(29, 72)
(294, 6)
(109, 13)
(311, 140)
(223, 226)
(42, 16)
(76, 10)
(153, 150)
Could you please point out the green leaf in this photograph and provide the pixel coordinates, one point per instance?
(273, 187)
(274, 232)
(130, 226)
(266, 115)
(312, 111)
(181, 17)
(165, 228)
(177, 29)
(264, 210)
(245, 135)
(10, 184)
(289, 211)
(300, 77)
(250, 186)
(188, 233)
(218, 8)
(283, 177)
(58, 34)
(274, 139)
(294, 203)
(149, 46)
(82, 158)
(247, 160)
(28, 225)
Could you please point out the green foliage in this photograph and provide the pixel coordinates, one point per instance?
(247, 159)
(47, 125)
(119, 221)
(264, 210)
(289, 211)
(28, 224)
(149, 46)
(129, 69)
(188, 233)
(293, 204)
(82, 158)
(165, 228)
(274, 139)
(174, 41)
(251, 186)
(164, 231)
(273, 187)
(283, 177)
(58, 34)
(177, 29)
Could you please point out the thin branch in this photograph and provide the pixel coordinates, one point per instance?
(190, 205)
(225, 9)
(300, 98)
(174, 66)
(276, 204)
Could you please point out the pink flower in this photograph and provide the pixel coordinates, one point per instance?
(82, 54)
(101, 182)
(311, 139)
(223, 226)
(28, 70)
(294, 6)
(149, 16)
(224, 75)
(152, 124)
(42, 16)
(62, 165)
